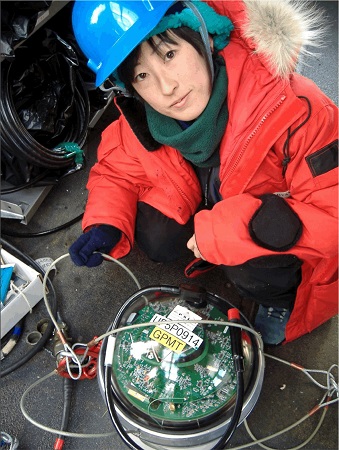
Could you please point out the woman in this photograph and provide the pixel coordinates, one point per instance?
(220, 144)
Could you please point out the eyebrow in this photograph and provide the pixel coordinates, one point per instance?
(156, 47)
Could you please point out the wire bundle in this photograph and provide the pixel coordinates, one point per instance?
(20, 150)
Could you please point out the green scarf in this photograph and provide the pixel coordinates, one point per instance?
(199, 143)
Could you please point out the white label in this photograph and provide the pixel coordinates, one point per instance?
(178, 330)
(182, 313)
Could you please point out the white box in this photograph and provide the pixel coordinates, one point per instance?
(17, 306)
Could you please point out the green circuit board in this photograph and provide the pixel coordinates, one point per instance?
(177, 372)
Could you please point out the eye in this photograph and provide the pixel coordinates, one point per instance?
(169, 55)
(141, 76)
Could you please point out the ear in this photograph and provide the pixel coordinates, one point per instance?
(211, 42)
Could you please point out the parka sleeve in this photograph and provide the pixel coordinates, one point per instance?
(114, 186)
(225, 234)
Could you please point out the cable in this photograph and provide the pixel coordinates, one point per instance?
(163, 322)
(315, 431)
(49, 429)
(45, 232)
(19, 148)
(18, 141)
(30, 183)
(110, 399)
(236, 414)
(8, 440)
(290, 134)
(238, 361)
(109, 394)
(68, 388)
(53, 308)
(331, 388)
(285, 430)
(69, 352)
(330, 378)
(50, 312)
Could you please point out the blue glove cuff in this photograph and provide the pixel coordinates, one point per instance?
(101, 238)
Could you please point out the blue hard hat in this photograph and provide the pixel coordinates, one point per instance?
(107, 31)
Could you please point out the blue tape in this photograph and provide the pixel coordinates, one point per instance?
(6, 274)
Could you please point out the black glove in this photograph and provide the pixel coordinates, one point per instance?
(101, 238)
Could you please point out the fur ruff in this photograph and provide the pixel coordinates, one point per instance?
(282, 31)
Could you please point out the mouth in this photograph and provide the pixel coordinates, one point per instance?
(180, 102)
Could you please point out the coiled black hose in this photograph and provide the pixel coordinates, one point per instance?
(16, 140)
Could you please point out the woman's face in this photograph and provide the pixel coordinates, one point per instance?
(175, 83)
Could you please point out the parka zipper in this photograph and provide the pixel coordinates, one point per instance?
(206, 186)
(253, 133)
(229, 173)
(189, 203)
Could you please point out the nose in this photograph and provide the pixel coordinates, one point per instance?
(167, 82)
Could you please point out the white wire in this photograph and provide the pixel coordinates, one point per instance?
(315, 431)
(44, 282)
(70, 353)
(130, 273)
(53, 430)
(20, 292)
(65, 256)
(330, 377)
(278, 433)
(68, 349)
(203, 321)
(331, 389)
(81, 435)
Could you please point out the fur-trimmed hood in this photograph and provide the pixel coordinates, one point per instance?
(282, 31)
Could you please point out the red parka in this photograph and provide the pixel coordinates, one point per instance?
(267, 101)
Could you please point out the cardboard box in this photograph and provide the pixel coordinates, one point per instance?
(19, 305)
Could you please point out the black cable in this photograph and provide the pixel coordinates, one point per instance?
(19, 142)
(286, 147)
(236, 341)
(42, 233)
(16, 138)
(53, 304)
(68, 389)
(238, 361)
(109, 397)
(235, 416)
(30, 183)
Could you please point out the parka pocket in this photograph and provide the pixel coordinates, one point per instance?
(323, 304)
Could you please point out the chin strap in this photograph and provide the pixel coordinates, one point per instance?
(204, 34)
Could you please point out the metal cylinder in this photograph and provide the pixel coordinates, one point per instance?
(174, 382)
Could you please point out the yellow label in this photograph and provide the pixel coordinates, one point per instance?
(167, 340)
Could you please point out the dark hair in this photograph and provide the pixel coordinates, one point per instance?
(126, 68)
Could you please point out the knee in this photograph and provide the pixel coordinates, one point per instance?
(161, 238)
